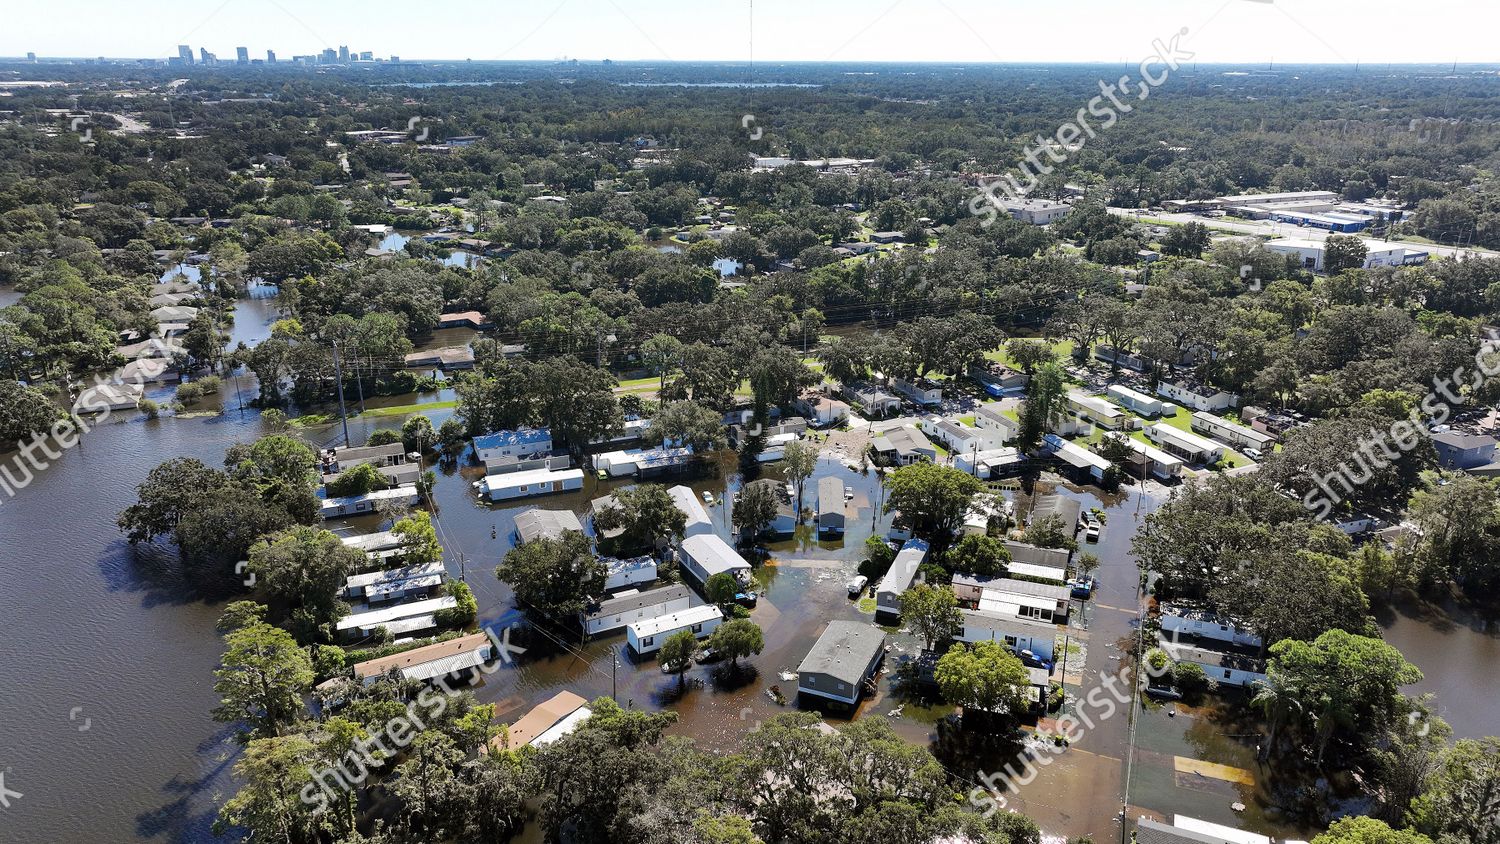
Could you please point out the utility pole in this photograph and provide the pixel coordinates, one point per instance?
(338, 373)
(614, 663)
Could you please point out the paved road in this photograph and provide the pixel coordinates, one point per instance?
(1268, 228)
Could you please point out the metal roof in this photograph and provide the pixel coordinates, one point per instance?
(843, 651)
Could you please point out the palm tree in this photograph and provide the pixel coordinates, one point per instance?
(1279, 704)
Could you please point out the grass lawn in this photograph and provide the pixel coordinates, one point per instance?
(1062, 350)
(401, 410)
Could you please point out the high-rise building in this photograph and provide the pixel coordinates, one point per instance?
(185, 53)
(396, 59)
(204, 56)
(241, 55)
(31, 57)
(343, 54)
(366, 56)
(270, 57)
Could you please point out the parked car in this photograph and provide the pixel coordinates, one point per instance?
(1252, 453)
(1091, 533)
(708, 497)
(857, 585)
(708, 655)
(746, 599)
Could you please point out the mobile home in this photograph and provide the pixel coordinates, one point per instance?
(647, 635)
(505, 487)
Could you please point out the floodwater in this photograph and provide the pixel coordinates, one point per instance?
(1457, 653)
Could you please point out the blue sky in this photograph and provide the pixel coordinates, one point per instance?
(1236, 31)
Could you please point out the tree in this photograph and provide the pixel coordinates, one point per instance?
(721, 588)
(274, 772)
(262, 679)
(1363, 830)
(985, 676)
(677, 653)
(360, 479)
(418, 539)
(1186, 241)
(1340, 681)
(554, 577)
(777, 374)
(1343, 252)
(932, 500)
(1029, 354)
(417, 434)
(976, 554)
(931, 612)
(755, 508)
(661, 352)
(737, 638)
(799, 459)
(688, 423)
(644, 515)
(1044, 400)
(170, 492)
(23, 411)
(1462, 799)
(577, 402)
(304, 569)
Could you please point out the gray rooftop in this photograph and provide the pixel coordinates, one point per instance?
(546, 524)
(1026, 587)
(843, 651)
(637, 600)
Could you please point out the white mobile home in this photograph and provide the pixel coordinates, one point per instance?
(512, 485)
(1138, 403)
(622, 573)
(397, 619)
(397, 583)
(1225, 431)
(1099, 412)
(706, 555)
(1226, 669)
(1018, 634)
(1201, 624)
(359, 505)
(992, 423)
(990, 464)
(504, 448)
(899, 577)
(954, 435)
(549, 721)
(921, 390)
(1145, 458)
(627, 608)
(1188, 446)
(1197, 396)
(647, 635)
(698, 523)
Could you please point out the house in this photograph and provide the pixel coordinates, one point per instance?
(1188, 446)
(706, 555)
(954, 435)
(1099, 412)
(1187, 830)
(464, 319)
(887, 237)
(1197, 396)
(1038, 573)
(641, 462)
(617, 611)
(1024, 553)
(1044, 602)
(821, 409)
(647, 635)
(899, 578)
(842, 662)
(506, 450)
(1223, 667)
(872, 399)
(902, 446)
(537, 524)
(990, 464)
(1138, 403)
(147, 371)
(831, 505)
(698, 522)
(1084, 464)
(396, 584)
(174, 313)
(1037, 212)
(1110, 355)
(997, 379)
(923, 391)
(364, 621)
(1228, 432)
(620, 573)
(992, 423)
(359, 505)
(1144, 459)
(448, 358)
(429, 661)
(504, 487)
(549, 721)
(1456, 450)
(1019, 634)
(389, 459)
(110, 397)
(1180, 621)
(1065, 509)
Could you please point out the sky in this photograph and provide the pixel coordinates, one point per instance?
(1230, 31)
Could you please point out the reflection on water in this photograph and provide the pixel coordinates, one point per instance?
(1457, 652)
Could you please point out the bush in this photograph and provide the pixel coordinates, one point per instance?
(1190, 678)
(384, 436)
(359, 480)
(463, 614)
(150, 408)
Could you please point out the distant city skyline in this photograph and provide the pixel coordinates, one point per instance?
(972, 31)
